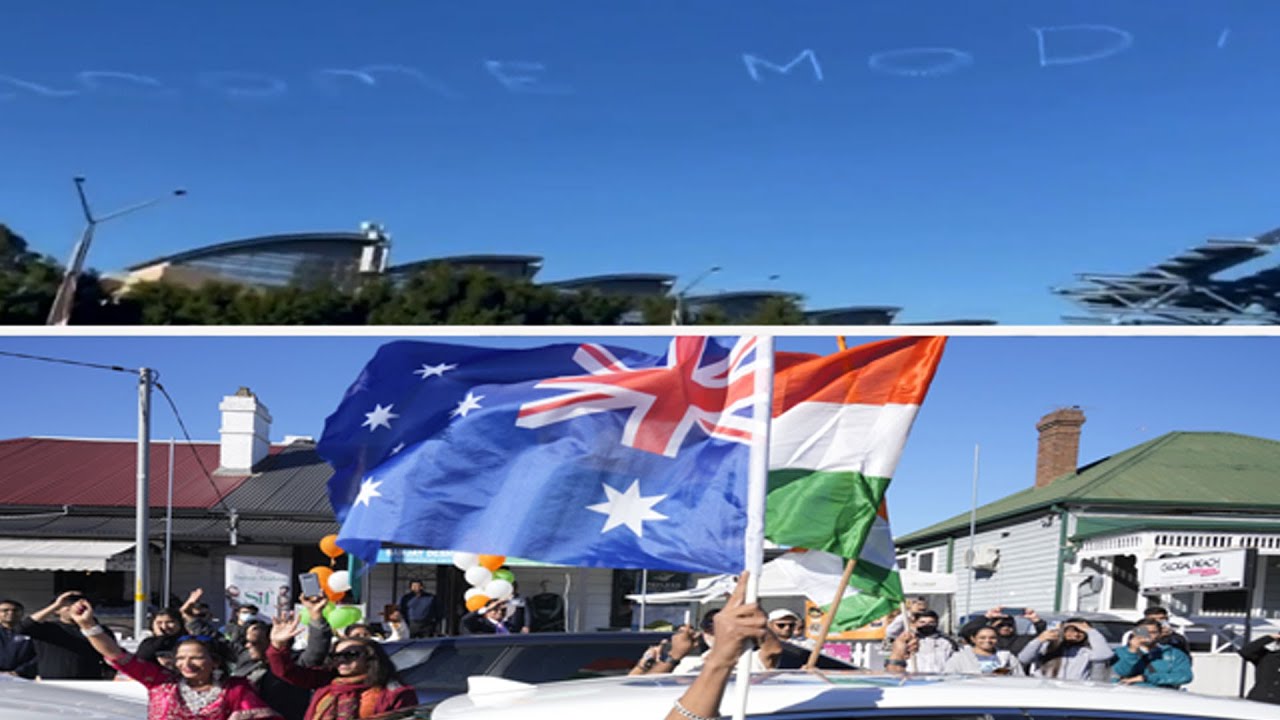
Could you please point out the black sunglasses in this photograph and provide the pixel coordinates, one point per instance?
(348, 655)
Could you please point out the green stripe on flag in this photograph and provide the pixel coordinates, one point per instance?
(872, 579)
(821, 510)
(858, 610)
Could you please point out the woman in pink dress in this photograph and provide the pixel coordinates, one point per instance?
(200, 689)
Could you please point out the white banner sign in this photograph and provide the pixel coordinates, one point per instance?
(1225, 570)
(261, 581)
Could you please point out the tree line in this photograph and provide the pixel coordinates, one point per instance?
(438, 295)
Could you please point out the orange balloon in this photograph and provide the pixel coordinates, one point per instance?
(329, 546)
(323, 573)
(334, 596)
(477, 601)
(492, 562)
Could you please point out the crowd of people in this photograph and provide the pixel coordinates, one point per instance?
(305, 670)
(193, 670)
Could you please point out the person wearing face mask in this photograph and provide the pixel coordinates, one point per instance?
(982, 657)
(929, 649)
(358, 681)
(166, 628)
(199, 687)
(1073, 652)
(234, 630)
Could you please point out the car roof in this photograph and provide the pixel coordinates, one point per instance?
(29, 700)
(798, 691)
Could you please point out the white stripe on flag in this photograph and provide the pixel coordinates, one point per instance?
(834, 437)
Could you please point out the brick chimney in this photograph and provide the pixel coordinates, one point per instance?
(1059, 450)
(245, 431)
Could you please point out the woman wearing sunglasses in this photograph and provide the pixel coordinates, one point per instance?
(358, 681)
(198, 688)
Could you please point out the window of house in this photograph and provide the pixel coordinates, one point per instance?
(1124, 583)
(1226, 601)
(924, 562)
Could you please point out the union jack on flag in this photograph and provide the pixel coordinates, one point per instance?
(696, 386)
(576, 454)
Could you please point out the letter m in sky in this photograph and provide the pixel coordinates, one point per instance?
(754, 64)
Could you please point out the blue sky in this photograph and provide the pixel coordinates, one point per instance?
(988, 390)
(631, 136)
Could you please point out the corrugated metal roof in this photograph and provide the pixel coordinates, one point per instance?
(291, 482)
(70, 471)
(207, 528)
(1190, 470)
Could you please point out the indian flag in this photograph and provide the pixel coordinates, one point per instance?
(840, 423)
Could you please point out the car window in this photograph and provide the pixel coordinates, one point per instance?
(450, 666)
(549, 663)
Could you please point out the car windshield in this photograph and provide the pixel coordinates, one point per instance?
(450, 664)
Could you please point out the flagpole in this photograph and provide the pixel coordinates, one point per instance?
(757, 488)
(830, 617)
(973, 523)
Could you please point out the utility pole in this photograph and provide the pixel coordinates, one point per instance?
(142, 544)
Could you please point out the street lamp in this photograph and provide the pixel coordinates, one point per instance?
(60, 313)
(677, 316)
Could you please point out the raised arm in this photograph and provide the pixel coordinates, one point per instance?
(280, 656)
(101, 640)
(737, 627)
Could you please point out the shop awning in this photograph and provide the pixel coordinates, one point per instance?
(83, 555)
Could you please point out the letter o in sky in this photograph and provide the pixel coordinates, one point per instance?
(920, 62)
(243, 84)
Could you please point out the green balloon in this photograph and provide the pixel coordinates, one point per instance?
(304, 616)
(328, 612)
(504, 574)
(344, 615)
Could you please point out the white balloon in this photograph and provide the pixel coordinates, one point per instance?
(479, 576)
(340, 581)
(464, 561)
(499, 589)
(473, 591)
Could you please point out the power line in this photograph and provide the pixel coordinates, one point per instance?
(191, 444)
(64, 361)
(173, 406)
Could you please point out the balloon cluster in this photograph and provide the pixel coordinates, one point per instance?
(338, 616)
(334, 583)
(489, 580)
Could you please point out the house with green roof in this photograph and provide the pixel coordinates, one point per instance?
(1076, 539)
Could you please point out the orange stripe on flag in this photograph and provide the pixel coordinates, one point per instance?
(895, 371)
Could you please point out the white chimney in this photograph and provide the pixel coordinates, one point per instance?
(245, 431)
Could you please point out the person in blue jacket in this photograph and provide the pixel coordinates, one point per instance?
(1147, 661)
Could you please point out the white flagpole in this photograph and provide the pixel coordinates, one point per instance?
(757, 488)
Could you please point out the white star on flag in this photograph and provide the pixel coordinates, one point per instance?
(427, 371)
(380, 417)
(368, 491)
(468, 403)
(628, 509)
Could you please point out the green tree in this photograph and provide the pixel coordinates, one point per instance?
(778, 311)
(28, 282)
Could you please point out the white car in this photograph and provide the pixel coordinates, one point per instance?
(797, 695)
(33, 700)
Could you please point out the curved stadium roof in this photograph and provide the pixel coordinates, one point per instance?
(255, 243)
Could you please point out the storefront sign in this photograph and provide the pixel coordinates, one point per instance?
(414, 556)
(1214, 571)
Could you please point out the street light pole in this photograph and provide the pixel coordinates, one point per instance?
(64, 301)
(677, 317)
(142, 544)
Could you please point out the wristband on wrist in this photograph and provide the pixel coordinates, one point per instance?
(93, 631)
(686, 712)
(895, 663)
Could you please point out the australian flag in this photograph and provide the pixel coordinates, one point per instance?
(575, 454)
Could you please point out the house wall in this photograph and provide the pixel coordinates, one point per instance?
(1025, 574)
